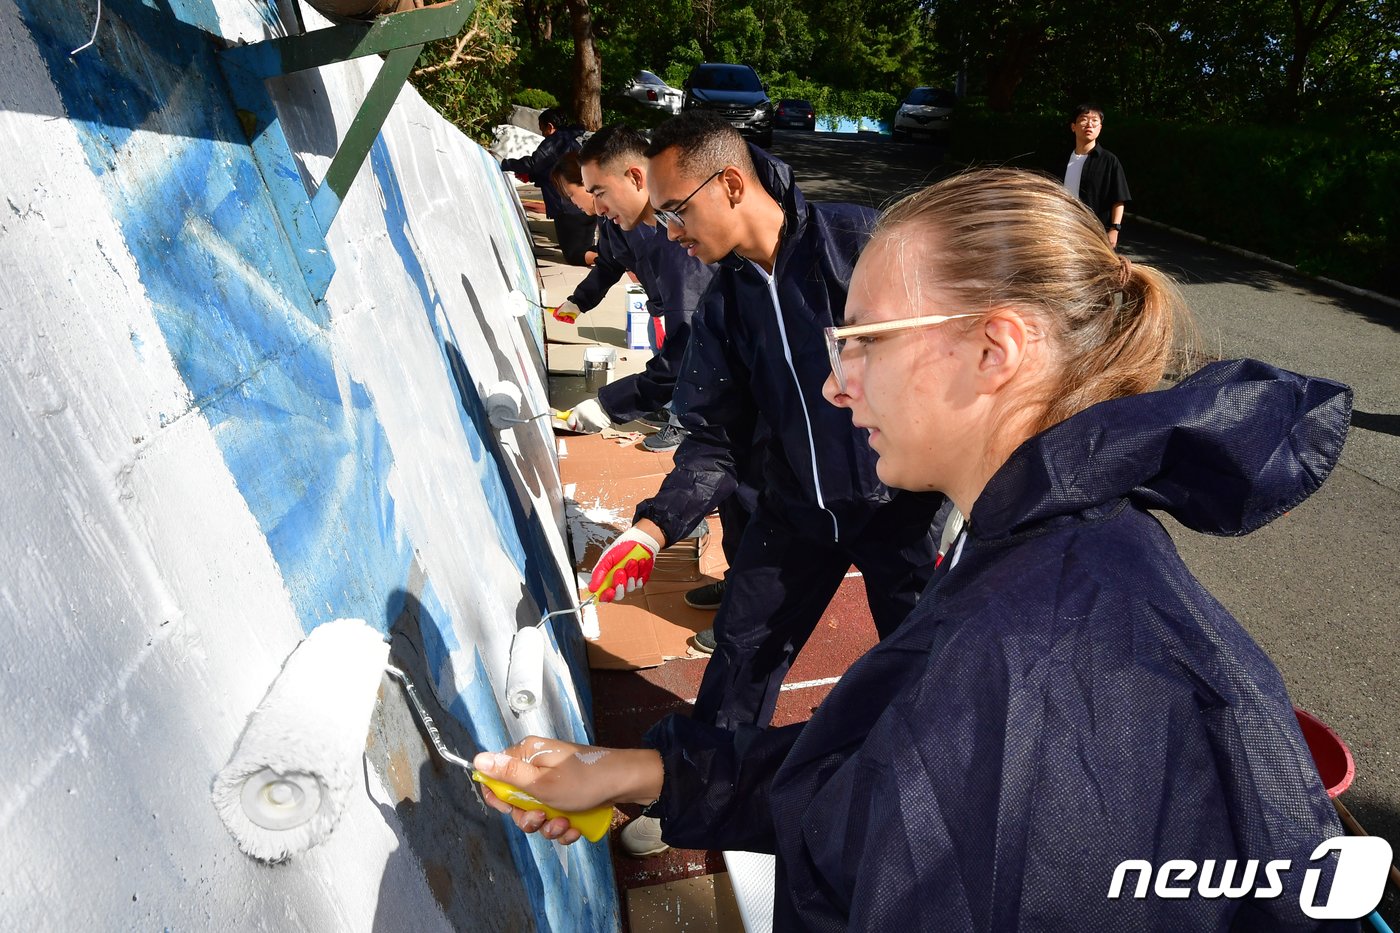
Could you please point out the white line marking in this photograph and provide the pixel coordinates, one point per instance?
(824, 682)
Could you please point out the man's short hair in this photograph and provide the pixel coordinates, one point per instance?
(614, 143)
(1086, 107)
(705, 144)
(566, 172)
(556, 117)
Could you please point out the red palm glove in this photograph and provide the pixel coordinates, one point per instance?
(566, 313)
(625, 566)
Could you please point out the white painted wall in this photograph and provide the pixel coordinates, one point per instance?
(200, 464)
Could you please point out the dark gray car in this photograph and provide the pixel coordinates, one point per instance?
(799, 114)
(736, 94)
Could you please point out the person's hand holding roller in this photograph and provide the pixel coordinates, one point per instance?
(588, 417)
(625, 566)
(567, 313)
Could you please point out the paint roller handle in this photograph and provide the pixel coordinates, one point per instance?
(625, 566)
(428, 725)
(593, 824)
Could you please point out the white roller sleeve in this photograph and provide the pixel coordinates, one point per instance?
(503, 405)
(525, 679)
(298, 759)
(517, 304)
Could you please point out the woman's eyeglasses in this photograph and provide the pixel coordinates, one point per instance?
(836, 337)
(673, 216)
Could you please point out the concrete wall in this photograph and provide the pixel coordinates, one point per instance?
(201, 463)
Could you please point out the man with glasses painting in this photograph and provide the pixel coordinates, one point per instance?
(612, 175)
(1093, 174)
(758, 350)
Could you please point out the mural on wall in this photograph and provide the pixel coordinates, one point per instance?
(231, 463)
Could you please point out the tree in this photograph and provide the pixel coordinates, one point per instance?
(588, 67)
(465, 77)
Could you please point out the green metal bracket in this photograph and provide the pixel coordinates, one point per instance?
(307, 217)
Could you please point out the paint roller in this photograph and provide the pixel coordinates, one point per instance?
(517, 305)
(525, 677)
(298, 760)
(503, 407)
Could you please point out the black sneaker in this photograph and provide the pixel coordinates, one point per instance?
(704, 642)
(706, 597)
(668, 438)
(657, 419)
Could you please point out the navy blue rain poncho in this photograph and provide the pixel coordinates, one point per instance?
(674, 282)
(1065, 696)
(744, 360)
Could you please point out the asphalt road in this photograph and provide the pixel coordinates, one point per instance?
(1320, 587)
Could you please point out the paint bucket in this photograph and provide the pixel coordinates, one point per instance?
(597, 366)
(1335, 764)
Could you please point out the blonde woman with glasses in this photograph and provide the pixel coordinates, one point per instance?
(1066, 696)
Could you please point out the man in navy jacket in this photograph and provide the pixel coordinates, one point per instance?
(573, 228)
(613, 168)
(757, 349)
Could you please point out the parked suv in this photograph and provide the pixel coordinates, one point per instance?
(925, 110)
(735, 93)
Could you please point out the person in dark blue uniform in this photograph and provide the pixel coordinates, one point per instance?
(573, 228)
(565, 178)
(613, 172)
(1066, 697)
(756, 352)
(615, 165)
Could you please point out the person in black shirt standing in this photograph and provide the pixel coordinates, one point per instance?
(1093, 174)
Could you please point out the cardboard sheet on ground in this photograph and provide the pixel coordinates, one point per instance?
(603, 482)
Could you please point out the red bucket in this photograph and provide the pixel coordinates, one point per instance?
(1334, 763)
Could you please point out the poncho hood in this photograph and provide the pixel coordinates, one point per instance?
(1224, 452)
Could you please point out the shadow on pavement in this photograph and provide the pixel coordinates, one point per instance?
(1381, 424)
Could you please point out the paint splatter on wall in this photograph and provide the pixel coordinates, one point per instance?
(206, 463)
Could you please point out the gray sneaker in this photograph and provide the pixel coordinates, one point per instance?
(704, 642)
(668, 438)
(641, 838)
(705, 597)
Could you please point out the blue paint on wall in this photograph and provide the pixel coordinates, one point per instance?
(245, 335)
(588, 877)
(400, 235)
(301, 440)
(479, 708)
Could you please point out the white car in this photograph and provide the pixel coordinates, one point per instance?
(925, 110)
(650, 91)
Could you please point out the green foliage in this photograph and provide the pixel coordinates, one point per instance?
(1306, 104)
(1187, 59)
(834, 105)
(467, 78)
(534, 97)
(683, 60)
(1328, 203)
(549, 68)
